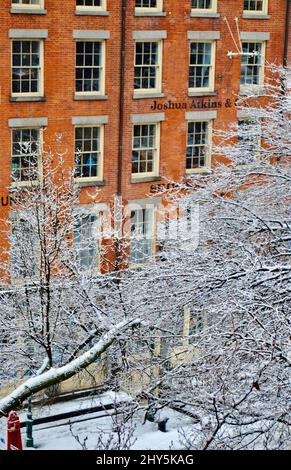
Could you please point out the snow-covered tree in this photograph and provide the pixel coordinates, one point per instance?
(54, 319)
(204, 328)
(236, 286)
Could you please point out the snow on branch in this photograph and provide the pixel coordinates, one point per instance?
(57, 375)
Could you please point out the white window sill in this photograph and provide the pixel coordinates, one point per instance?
(139, 96)
(145, 179)
(90, 97)
(28, 11)
(85, 183)
(136, 266)
(202, 93)
(198, 172)
(206, 14)
(26, 98)
(252, 16)
(149, 13)
(92, 13)
(245, 166)
(24, 184)
(256, 90)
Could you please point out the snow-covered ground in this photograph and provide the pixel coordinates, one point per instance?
(58, 435)
(77, 404)
(146, 436)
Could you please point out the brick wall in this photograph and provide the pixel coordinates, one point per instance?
(60, 106)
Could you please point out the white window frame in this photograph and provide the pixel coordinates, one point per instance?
(256, 87)
(25, 6)
(84, 211)
(210, 88)
(152, 224)
(193, 322)
(35, 182)
(157, 9)
(159, 68)
(99, 177)
(101, 92)
(262, 12)
(156, 162)
(85, 8)
(213, 8)
(40, 93)
(250, 120)
(15, 216)
(207, 167)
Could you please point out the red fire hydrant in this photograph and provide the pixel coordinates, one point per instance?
(14, 441)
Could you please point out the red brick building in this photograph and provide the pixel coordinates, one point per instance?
(130, 90)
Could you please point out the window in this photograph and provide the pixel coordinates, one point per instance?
(147, 67)
(249, 140)
(198, 146)
(83, 5)
(148, 6)
(27, 68)
(86, 236)
(26, 146)
(142, 241)
(256, 7)
(194, 323)
(252, 66)
(25, 249)
(208, 5)
(201, 70)
(33, 4)
(90, 67)
(145, 149)
(89, 153)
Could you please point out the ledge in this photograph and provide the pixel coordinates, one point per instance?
(203, 113)
(245, 166)
(91, 34)
(146, 179)
(204, 15)
(84, 184)
(196, 174)
(89, 120)
(202, 93)
(245, 16)
(27, 11)
(147, 14)
(19, 186)
(147, 118)
(90, 97)
(254, 36)
(207, 35)
(141, 96)
(26, 98)
(28, 33)
(258, 91)
(91, 13)
(28, 122)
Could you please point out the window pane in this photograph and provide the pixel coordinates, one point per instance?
(251, 69)
(25, 154)
(202, 4)
(200, 65)
(26, 67)
(87, 152)
(197, 145)
(89, 67)
(146, 65)
(86, 241)
(144, 148)
(142, 235)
